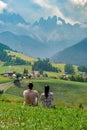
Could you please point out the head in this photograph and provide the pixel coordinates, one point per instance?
(30, 85)
(46, 90)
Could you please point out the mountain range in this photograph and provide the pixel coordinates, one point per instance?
(12, 18)
(76, 54)
(22, 43)
(43, 38)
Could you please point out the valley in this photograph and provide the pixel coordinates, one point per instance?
(43, 42)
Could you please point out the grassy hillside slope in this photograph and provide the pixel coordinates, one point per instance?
(65, 92)
(18, 117)
(22, 56)
(66, 116)
(76, 54)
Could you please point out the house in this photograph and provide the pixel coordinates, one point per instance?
(65, 76)
(8, 74)
(35, 73)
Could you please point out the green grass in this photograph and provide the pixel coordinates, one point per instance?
(65, 116)
(5, 79)
(11, 98)
(61, 67)
(65, 92)
(17, 68)
(22, 56)
(18, 117)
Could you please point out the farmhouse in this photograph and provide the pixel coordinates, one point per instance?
(9, 74)
(36, 74)
(65, 76)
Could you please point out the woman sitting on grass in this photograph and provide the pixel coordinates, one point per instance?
(47, 97)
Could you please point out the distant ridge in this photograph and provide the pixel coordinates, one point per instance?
(22, 43)
(12, 18)
(4, 47)
(77, 54)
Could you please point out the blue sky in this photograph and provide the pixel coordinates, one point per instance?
(71, 11)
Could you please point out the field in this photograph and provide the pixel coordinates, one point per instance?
(65, 116)
(5, 79)
(65, 92)
(17, 68)
(20, 68)
(15, 116)
(22, 56)
(68, 95)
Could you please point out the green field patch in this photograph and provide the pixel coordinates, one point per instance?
(65, 92)
(19, 117)
(22, 56)
(5, 79)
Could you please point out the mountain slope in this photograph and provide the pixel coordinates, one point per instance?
(43, 38)
(22, 43)
(4, 47)
(76, 54)
(12, 18)
(8, 59)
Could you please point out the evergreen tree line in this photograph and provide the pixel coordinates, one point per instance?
(69, 69)
(82, 68)
(78, 78)
(4, 47)
(4, 57)
(44, 65)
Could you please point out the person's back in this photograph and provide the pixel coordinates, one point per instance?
(47, 98)
(47, 101)
(30, 96)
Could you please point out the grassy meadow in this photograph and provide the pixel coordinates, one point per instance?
(65, 92)
(20, 68)
(65, 116)
(5, 79)
(18, 117)
(22, 56)
(67, 96)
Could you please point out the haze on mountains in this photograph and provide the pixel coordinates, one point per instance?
(77, 54)
(47, 33)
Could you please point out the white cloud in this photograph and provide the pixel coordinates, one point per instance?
(42, 3)
(72, 11)
(2, 6)
(79, 2)
(54, 10)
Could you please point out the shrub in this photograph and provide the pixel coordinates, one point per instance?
(1, 91)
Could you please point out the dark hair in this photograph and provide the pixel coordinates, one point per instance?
(30, 85)
(46, 90)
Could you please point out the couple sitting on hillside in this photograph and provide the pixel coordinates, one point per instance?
(31, 96)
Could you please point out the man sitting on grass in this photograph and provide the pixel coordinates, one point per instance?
(30, 96)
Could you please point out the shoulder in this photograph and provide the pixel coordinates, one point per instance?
(42, 97)
(35, 91)
(51, 93)
(42, 94)
(25, 91)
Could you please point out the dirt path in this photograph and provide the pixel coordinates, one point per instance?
(5, 86)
